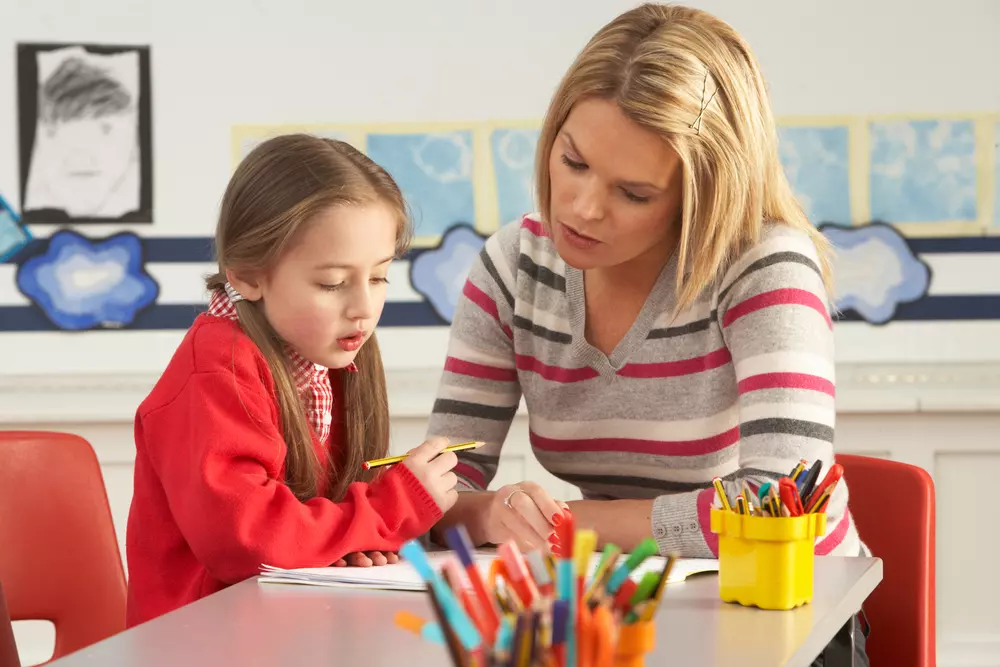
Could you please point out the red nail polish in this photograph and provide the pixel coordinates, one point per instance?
(556, 519)
(553, 539)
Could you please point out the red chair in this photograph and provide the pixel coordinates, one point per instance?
(893, 507)
(8, 649)
(60, 560)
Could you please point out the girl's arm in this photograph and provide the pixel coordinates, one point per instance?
(218, 455)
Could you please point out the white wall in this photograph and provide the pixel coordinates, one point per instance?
(220, 64)
(228, 62)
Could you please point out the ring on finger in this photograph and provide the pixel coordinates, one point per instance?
(506, 501)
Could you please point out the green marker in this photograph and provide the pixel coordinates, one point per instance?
(644, 550)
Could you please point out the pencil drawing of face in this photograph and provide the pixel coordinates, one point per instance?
(85, 158)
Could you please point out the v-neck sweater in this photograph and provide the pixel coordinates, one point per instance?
(738, 385)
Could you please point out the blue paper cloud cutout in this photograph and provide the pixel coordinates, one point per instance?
(13, 235)
(875, 270)
(81, 284)
(439, 274)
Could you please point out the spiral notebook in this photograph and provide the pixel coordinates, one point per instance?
(403, 577)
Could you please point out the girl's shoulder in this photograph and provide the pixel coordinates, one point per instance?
(212, 346)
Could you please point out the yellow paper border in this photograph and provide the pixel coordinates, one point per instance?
(859, 145)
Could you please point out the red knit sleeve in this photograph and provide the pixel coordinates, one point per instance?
(218, 453)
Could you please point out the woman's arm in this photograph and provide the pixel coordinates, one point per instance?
(773, 312)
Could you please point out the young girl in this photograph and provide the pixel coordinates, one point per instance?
(250, 447)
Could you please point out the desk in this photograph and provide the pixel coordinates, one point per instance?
(272, 625)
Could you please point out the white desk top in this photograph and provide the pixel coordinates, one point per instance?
(272, 625)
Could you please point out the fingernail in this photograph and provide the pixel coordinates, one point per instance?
(556, 519)
(553, 538)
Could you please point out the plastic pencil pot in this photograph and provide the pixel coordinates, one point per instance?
(766, 562)
(635, 642)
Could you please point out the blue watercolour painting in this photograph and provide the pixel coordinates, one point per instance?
(13, 235)
(996, 178)
(923, 171)
(817, 165)
(875, 270)
(82, 284)
(439, 274)
(434, 171)
(514, 169)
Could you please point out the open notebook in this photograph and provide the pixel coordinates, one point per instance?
(402, 577)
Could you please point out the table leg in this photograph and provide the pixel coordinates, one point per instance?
(840, 652)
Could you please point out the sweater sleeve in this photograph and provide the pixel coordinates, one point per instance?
(479, 391)
(219, 456)
(775, 322)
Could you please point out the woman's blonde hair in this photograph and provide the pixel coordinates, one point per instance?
(272, 196)
(690, 78)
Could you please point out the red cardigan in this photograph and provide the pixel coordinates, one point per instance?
(209, 504)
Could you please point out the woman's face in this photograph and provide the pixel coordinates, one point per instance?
(616, 189)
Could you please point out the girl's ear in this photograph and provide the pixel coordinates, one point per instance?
(247, 285)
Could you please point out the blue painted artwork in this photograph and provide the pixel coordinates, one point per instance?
(817, 165)
(996, 178)
(439, 274)
(82, 284)
(923, 171)
(13, 235)
(434, 171)
(875, 271)
(514, 167)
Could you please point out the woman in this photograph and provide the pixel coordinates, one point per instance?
(665, 315)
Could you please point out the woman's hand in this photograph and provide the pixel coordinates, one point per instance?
(525, 513)
(368, 559)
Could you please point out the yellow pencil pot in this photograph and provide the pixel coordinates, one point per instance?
(766, 562)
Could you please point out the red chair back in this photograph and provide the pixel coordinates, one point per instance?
(8, 649)
(893, 507)
(60, 560)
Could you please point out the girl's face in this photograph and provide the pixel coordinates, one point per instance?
(616, 189)
(326, 293)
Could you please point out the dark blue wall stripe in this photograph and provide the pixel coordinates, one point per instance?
(968, 308)
(201, 248)
(955, 244)
(171, 317)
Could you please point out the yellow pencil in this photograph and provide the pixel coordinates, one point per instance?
(721, 491)
(389, 460)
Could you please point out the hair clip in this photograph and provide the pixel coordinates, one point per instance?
(233, 295)
(696, 125)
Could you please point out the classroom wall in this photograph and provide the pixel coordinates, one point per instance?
(889, 113)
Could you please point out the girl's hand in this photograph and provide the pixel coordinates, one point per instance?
(433, 469)
(368, 559)
(525, 513)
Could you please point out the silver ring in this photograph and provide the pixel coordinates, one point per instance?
(506, 501)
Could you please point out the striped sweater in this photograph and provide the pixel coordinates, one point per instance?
(740, 385)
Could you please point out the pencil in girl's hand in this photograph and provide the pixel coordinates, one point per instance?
(389, 460)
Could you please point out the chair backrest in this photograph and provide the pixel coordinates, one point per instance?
(893, 507)
(60, 560)
(8, 648)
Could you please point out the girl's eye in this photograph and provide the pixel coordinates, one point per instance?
(331, 288)
(573, 164)
(639, 199)
(376, 281)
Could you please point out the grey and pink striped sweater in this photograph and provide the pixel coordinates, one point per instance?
(740, 385)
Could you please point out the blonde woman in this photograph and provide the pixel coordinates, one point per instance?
(665, 315)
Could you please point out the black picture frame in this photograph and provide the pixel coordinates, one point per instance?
(28, 112)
